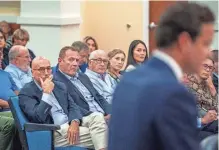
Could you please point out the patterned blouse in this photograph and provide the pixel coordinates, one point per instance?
(205, 100)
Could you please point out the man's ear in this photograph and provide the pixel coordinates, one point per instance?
(184, 42)
(59, 60)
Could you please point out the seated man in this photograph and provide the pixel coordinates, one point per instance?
(7, 127)
(201, 85)
(83, 50)
(46, 101)
(82, 90)
(19, 67)
(102, 81)
(19, 37)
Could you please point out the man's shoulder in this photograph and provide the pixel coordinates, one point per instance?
(60, 85)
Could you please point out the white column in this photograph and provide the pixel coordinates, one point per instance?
(51, 25)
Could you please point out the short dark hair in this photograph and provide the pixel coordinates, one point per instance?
(80, 46)
(181, 17)
(64, 49)
(131, 60)
(215, 55)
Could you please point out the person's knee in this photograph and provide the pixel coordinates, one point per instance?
(96, 116)
(9, 125)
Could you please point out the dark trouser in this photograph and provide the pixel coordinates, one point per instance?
(209, 129)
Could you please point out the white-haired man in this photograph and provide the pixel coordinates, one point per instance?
(19, 67)
(102, 82)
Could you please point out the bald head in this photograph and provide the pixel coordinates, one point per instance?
(41, 68)
(39, 60)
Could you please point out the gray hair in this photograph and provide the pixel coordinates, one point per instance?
(15, 51)
(97, 52)
(80, 46)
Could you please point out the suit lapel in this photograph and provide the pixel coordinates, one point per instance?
(70, 85)
(38, 92)
(60, 97)
(80, 77)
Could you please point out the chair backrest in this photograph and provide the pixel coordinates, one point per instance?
(210, 143)
(19, 118)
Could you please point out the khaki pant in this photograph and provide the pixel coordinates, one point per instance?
(92, 134)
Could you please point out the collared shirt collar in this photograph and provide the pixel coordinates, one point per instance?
(70, 77)
(14, 66)
(38, 85)
(96, 74)
(215, 74)
(177, 70)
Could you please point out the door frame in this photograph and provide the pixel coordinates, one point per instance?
(146, 23)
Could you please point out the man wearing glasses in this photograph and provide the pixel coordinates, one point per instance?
(102, 82)
(202, 86)
(19, 67)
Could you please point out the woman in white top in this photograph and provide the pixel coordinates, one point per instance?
(137, 54)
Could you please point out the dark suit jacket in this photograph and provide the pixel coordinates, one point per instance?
(215, 81)
(79, 98)
(38, 111)
(152, 110)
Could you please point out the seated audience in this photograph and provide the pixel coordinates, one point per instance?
(91, 42)
(82, 90)
(4, 26)
(116, 62)
(137, 54)
(46, 101)
(19, 67)
(19, 37)
(83, 50)
(102, 81)
(7, 127)
(214, 55)
(202, 87)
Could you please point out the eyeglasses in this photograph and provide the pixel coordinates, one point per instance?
(208, 68)
(99, 61)
(43, 69)
(27, 57)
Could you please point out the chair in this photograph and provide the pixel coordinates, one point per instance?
(35, 136)
(210, 143)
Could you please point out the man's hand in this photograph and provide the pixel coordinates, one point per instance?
(47, 85)
(210, 116)
(73, 133)
(107, 117)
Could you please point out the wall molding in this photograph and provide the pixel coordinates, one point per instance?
(43, 21)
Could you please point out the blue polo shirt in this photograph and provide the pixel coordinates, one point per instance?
(7, 85)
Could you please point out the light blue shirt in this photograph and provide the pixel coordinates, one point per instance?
(58, 114)
(19, 76)
(199, 122)
(93, 105)
(105, 87)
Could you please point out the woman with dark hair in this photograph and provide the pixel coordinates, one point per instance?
(91, 42)
(137, 54)
(116, 62)
(3, 49)
(6, 29)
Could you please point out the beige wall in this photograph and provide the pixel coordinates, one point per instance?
(106, 22)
